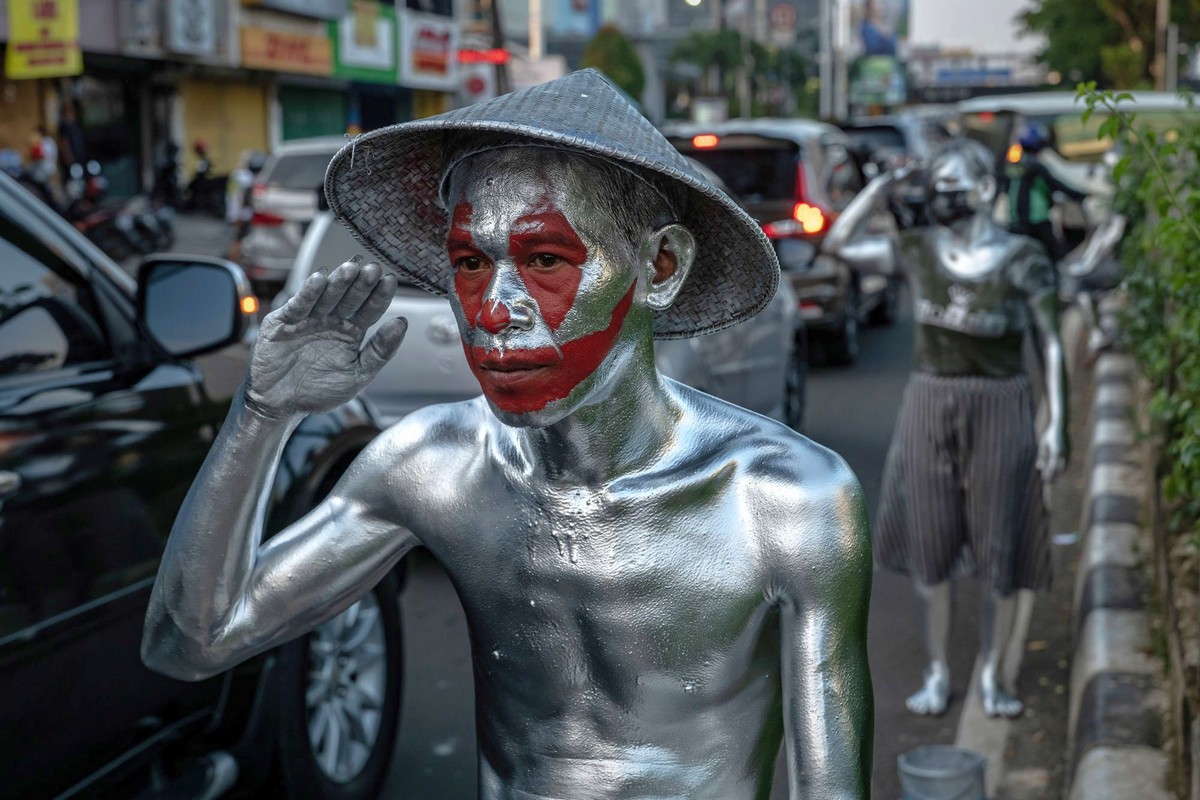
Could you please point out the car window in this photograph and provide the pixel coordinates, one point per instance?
(878, 137)
(300, 171)
(755, 169)
(840, 179)
(48, 318)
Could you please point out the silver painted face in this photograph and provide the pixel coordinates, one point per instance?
(545, 288)
(958, 192)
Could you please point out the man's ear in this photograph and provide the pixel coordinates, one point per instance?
(986, 189)
(666, 259)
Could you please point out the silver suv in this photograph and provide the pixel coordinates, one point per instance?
(284, 200)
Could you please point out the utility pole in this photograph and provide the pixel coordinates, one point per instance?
(825, 61)
(535, 31)
(1162, 19)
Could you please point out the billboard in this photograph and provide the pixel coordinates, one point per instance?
(878, 49)
(579, 18)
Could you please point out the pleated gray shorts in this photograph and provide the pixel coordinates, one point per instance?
(961, 491)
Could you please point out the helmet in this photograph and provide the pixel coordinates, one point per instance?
(255, 161)
(1034, 137)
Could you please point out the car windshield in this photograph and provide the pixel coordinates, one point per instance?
(754, 168)
(301, 171)
(877, 137)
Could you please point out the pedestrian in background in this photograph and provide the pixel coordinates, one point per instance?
(239, 195)
(1031, 188)
(71, 146)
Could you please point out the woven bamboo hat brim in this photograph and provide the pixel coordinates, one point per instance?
(385, 185)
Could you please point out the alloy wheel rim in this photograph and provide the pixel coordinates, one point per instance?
(347, 687)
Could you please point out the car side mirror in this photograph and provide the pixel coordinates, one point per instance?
(193, 305)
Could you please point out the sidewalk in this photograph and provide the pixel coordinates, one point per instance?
(1026, 756)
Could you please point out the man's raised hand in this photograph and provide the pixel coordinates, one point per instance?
(309, 355)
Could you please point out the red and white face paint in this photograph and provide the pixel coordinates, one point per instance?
(540, 308)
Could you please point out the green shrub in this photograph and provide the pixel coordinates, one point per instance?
(1158, 181)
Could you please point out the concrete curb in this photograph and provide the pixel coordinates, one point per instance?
(1117, 705)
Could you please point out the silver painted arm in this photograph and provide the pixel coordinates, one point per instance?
(847, 228)
(222, 595)
(1053, 447)
(828, 706)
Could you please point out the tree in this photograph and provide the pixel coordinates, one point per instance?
(722, 55)
(1111, 41)
(612, 52)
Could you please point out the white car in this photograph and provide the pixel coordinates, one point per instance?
(760, 364)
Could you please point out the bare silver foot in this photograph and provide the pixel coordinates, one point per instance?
(999, 703)
(934, 695)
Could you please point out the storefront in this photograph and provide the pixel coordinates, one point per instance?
(365, 53)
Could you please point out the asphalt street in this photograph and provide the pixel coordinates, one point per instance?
(852, 411)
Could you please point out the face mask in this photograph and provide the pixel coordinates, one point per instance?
(948, 207)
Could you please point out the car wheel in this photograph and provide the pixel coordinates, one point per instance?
(885, 312)
(842, 346)
(339, 701)
(795, 391)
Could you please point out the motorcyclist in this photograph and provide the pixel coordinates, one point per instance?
(239, 196)
(1031, 187)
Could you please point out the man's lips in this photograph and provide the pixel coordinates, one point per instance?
(516, 360)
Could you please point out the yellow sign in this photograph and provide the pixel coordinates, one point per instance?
(286, 52)
(43, 39)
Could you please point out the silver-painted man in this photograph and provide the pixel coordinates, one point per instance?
(962, 487)
(657, 584)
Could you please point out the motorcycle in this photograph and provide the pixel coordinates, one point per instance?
(121, 230)
(206, 190)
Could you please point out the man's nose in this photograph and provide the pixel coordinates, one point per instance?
(494, 316)
(506, 304)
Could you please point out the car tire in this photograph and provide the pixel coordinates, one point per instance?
(795, 390)
(332, 747)
(841, 348)
(885, 313)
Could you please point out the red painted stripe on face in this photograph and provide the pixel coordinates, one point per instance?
(553, 288)
(521, 381)
(468, 285)
(494, 317)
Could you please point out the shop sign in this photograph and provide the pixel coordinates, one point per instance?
(191, 27)
(43, 39)
(320, 9)
(286, 52)
(365, 42)
(428, 44)
(140, 27)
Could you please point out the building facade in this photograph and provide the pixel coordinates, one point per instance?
(232, 75)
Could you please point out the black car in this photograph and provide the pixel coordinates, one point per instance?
(794, 176)
(111, 391)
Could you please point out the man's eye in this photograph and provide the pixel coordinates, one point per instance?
(545, 260)
(470, 263)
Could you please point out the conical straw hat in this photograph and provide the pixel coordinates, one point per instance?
(384, 186)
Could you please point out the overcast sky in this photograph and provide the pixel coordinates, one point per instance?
(982, 25)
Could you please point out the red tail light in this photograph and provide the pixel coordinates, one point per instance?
(266, 220)
(812, 219)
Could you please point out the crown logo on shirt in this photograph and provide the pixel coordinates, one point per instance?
(960, 295)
